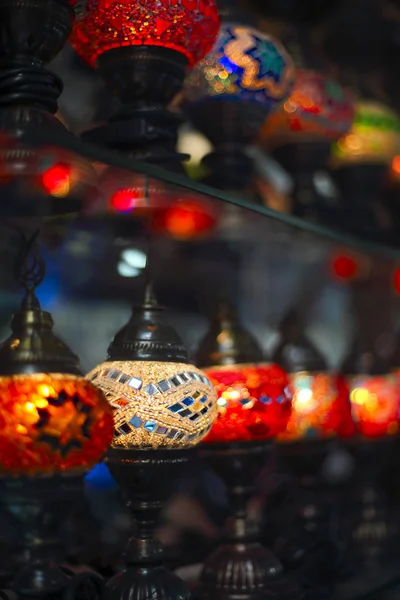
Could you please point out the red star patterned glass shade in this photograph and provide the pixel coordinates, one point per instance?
(51, 423)
(375, 404)
(253, 402)
(317, 108)
(186, 26)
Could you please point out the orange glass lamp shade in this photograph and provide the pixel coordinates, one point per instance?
(318, 108)
(186, 26)
(320, 408)
(373, 138)
(253, 403)
(375, 404)
(51, 424)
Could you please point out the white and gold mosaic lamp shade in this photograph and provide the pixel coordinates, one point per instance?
(159, 400)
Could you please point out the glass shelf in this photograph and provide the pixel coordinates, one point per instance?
(180, 185)
(204, 246)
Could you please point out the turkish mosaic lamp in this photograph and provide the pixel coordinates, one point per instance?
(318, 108)
(253, 396)
(360, 164)
(374, 137)
(242, 77)
(52, 420)
(143, 50)
(320, 406)
(160, 400)
(374, 394)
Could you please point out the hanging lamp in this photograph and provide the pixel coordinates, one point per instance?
(375, 402)
(253, 407)
(163, 406)
(54, 427)
(298, 133)
(142, 51)
(228, 95)
(319, 410)
(320, 415)
(360, 163)
(253, 401)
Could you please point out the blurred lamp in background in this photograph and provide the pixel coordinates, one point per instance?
(228, 95)
(253, 398)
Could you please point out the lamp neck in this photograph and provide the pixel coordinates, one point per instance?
(145, 79)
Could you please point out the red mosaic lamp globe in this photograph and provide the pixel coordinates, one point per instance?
(188, 27)
(254, 402)
(52, 421)
(142, 51)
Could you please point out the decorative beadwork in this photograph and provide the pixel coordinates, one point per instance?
(254, 402)
(169, 405)
(51, 423)
(318, 408)
(375, 404)
(317, 107)
(187, 26)
(244, 64)
(373, 138)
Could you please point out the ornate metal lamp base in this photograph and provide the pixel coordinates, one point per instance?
(241, 567)
(145, 476)
(37, 508)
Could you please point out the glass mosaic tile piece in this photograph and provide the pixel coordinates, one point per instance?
(124, 378)
(124, 428)
(135, 383)
(114, 374)
(172, 433)
(175, 381)
(151, 389)
(161, 430)
(185, 413)
(164, 385)
(188, 401)
(175, 407)
(136, 422)
(194, 417)
(119, 402)
(150, 426)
